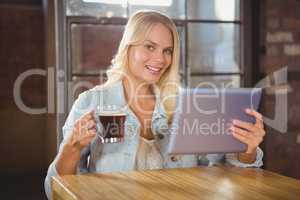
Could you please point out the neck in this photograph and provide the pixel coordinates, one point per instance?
(137, 88)
(137, 91)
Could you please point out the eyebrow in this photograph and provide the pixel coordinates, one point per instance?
(156, 44)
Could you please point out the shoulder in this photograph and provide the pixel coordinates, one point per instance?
(101, 89)
(101, 94)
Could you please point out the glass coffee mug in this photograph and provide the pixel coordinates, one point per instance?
(110, 123)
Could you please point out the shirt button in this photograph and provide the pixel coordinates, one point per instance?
(160, 136)
(157, 116)
(174, 159)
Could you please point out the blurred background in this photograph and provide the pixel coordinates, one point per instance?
(52, 50)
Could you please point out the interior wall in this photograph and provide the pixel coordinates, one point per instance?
(280, 33)
(50, 63)
(22, 44)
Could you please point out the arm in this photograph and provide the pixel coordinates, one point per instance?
(70, 155)
(250, 134)
(76, 164)
(82, 134)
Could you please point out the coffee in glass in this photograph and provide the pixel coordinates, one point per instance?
(111, 124)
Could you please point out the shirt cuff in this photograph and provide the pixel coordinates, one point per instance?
(232, 159)
(51, 172)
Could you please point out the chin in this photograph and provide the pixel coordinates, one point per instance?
(152, 80)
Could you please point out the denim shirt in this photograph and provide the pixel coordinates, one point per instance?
(98, 157)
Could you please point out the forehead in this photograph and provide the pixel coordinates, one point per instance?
(161, 35)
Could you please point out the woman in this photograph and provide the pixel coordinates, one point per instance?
(143, 79)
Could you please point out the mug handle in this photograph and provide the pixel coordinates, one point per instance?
(99, 128)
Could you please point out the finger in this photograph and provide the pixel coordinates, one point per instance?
(249, 135)
(91, 133)
(257, 115)
(85, 139)
(86, 133)
(87, 116)
(93, 130)
(80, 124)
(240, 137)
(244, 125)
(77, 128)
(261, 132)
(240, 131)
(84, 125)
(254, 113)
(258, 133)
(91, 124)
(252, 139)
(83, 128)
(259, 123)
(82, 131)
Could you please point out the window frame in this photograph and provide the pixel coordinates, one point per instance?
(248, 56)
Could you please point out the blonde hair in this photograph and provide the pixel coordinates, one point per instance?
(138, 25)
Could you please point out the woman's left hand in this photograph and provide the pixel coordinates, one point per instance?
(248, 133)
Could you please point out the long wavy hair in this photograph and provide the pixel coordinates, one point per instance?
(137, 27)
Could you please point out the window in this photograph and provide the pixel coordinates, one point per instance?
(214, 42)
(210, 32)
(93, 46)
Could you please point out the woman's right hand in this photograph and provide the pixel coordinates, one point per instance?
(83, 132)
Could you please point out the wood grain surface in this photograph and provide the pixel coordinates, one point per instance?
(190, 183)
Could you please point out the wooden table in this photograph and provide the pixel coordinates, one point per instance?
(193, 183)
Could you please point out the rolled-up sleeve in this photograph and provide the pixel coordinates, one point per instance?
(51, 172)
(82, 168)
(79, 107)
(232, 160)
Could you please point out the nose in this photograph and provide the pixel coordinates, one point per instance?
(159, 57)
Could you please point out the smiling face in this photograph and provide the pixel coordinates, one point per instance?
(150, 59)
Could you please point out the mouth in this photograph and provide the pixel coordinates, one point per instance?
(153, 70)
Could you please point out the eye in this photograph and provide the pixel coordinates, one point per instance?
(168, 51)
(149, 47)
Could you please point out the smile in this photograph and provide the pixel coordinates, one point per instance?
(153, 70)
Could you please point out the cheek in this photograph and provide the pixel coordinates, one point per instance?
(166, 68)
(139, 57)
(168, 63)
(169, 60)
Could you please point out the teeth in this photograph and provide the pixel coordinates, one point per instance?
(153, 68)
